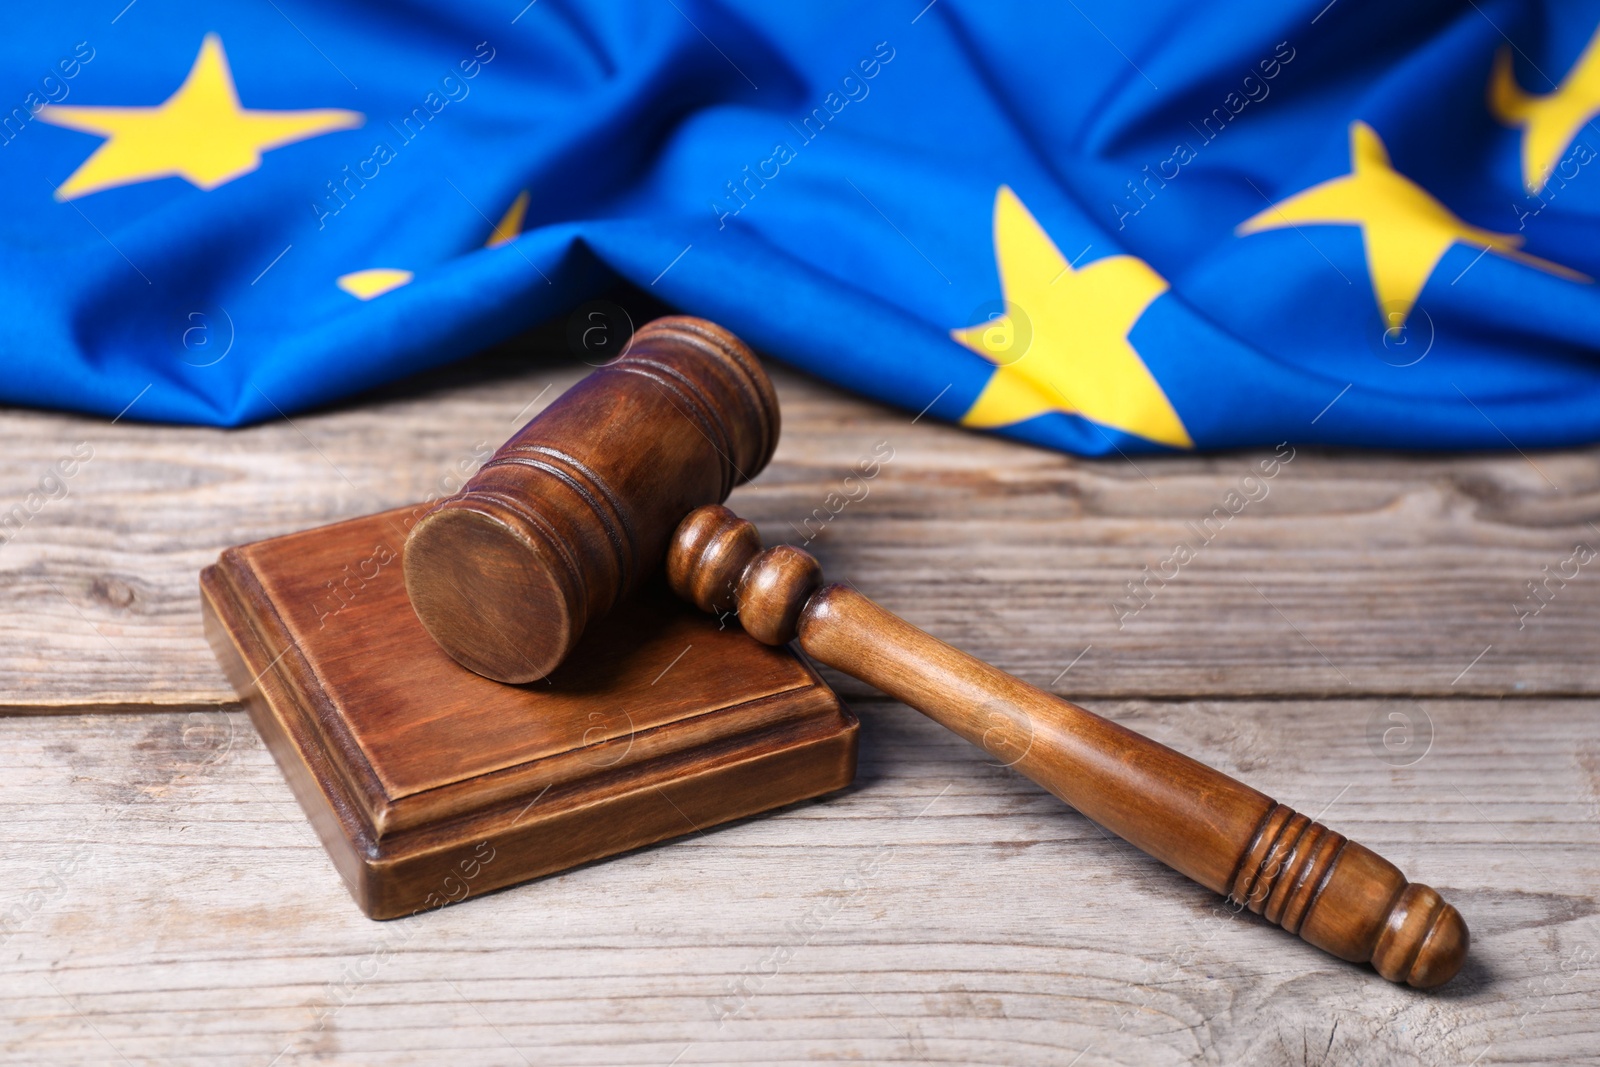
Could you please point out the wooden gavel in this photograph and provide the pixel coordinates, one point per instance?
(592, 494)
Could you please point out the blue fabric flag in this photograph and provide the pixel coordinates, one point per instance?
(1095, 226)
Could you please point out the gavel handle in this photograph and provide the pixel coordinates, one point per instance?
(1298, 874)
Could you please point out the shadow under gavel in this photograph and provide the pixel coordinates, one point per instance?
(569, 515)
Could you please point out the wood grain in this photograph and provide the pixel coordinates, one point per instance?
(1353, 575)
(203, 924)
(428, 783)
(575, 511)
(164, 900)
(1284, 865)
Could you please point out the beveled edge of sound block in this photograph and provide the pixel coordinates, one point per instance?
(805, 752)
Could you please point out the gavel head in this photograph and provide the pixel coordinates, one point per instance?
(573, 511)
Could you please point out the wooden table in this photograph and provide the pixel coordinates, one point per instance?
(1349, 641)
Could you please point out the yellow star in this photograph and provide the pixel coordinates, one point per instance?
(510, 225)
(199, 133)
(373, 282)
(1405, 230)
(1075, 355)
(1549, 122)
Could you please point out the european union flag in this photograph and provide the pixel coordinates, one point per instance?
(1095, 226)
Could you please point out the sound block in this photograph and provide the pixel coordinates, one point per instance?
(429, 784)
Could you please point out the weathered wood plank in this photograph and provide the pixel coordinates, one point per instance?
(943, 910)
(1350, 574)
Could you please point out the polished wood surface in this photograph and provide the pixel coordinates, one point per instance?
(1230, 838)
(574, 511)
(414, 769)
(177, 904)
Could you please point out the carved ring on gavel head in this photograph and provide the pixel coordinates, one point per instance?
(570, 514)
